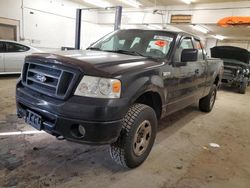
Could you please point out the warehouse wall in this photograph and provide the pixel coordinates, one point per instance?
(50, 24)
(201, 13)
(11, 9)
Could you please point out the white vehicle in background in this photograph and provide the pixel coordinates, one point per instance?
(12, 56)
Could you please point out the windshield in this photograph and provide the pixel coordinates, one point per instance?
(155, 44)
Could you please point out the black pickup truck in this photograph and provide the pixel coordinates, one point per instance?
(115, 91)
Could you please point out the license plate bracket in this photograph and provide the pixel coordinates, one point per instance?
(34, 120)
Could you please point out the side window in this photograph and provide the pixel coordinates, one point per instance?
(13, 47)
(186, 44)
(198, 46)
(2, 48)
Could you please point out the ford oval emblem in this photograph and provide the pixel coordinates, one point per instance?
(41, 78)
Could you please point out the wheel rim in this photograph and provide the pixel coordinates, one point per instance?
(212, 100)
(142, 138)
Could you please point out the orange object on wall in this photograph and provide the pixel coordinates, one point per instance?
(235, 21)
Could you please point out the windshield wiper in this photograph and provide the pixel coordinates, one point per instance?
(94, 48)
(126, 52)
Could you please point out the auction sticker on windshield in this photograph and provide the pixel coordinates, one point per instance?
(161, 43)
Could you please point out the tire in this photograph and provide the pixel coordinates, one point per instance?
(243, 87)
(137, 137)
(206, 104)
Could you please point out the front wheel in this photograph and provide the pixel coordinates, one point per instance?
(137, 136)
(206, 104)
(243, 87)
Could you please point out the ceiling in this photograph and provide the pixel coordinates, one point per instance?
(180, 2)
(232, 33)
(149, 3)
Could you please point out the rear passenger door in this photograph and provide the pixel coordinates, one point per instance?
(2, 50)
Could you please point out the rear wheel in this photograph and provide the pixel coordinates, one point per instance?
(243, 87)
(136, 138)
(206, 104)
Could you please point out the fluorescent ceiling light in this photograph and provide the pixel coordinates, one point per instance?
(187, 1)
(220, 37)
(99, 3)
(201, 29)
(132, 3)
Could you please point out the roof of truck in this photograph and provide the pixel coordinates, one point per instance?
(167, 31)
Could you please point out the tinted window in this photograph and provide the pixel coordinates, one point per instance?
(154, 44)
(198, 46)
(2, 48)
(186, 44)
(13, 47)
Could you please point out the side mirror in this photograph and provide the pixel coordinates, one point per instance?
(188, 55)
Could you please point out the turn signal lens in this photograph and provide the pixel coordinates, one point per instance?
(116, 87)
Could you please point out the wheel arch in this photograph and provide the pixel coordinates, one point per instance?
(217, 80)
(151, 98)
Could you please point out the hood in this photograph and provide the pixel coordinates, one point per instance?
(231, 63)
(230, 52)
(96, 62)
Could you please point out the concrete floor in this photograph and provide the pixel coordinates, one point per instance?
(181, 157)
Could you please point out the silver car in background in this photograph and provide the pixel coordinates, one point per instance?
(12, 56)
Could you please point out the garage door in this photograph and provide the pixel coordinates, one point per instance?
(8, 32)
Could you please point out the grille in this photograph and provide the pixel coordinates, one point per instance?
(49, 79)
(228, 72)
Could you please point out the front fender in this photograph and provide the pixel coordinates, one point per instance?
(146, 84)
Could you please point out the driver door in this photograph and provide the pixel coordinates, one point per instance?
(184, 91)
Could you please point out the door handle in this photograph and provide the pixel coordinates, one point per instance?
(197, 71)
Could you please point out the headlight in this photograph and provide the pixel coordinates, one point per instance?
(96, 87)
(246, 71)
(238, 72)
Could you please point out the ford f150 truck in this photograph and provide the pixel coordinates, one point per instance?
(115, 91)
(236, 66)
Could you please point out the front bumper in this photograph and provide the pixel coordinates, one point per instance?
(101, 119)
(232, 81)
